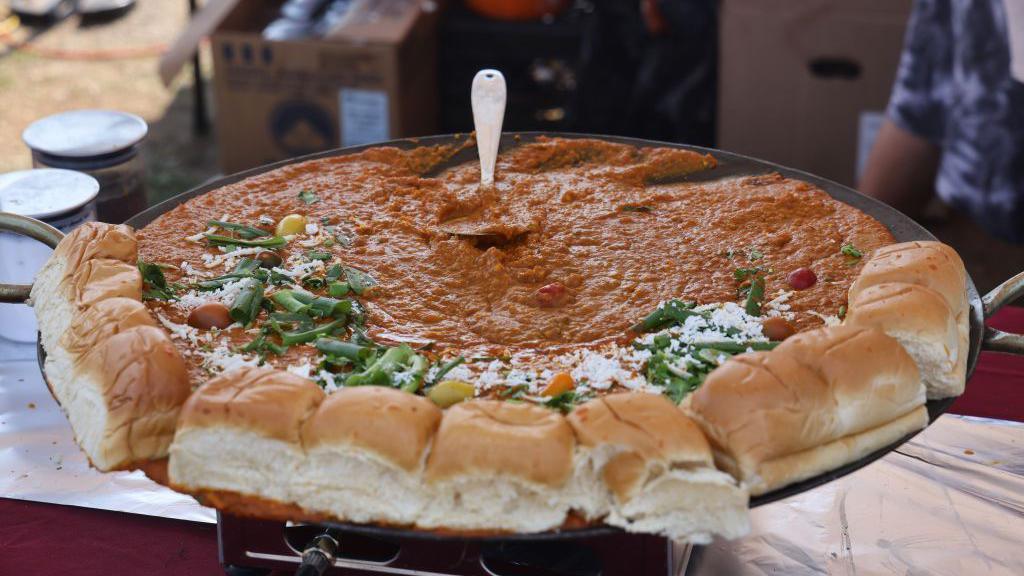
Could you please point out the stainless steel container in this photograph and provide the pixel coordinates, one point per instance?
(102, 143)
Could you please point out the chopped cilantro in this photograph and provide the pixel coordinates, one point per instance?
(851, 251)
(309, 197)
(754, 254)
(155, 285)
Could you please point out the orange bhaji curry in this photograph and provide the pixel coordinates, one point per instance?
(591, 266)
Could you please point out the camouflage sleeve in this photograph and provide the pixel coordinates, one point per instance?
(919, 100)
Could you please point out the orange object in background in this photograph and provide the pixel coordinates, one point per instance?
(517, 9)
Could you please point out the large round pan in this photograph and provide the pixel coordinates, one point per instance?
(729, 165)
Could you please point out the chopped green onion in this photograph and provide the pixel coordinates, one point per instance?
(671, 312)
(308, 196)
(272, 242)
(755, 296)
(247, 303)
(446, 368)
(155, 283)
(338, 289)
(385, 370)
(247, 232)
(287, 300)
(301, 336)
(334, 273)
(341, 349)
(244, 269)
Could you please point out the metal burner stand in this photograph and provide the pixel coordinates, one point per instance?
(250, 547)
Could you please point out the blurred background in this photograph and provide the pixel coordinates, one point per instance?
(226, 85)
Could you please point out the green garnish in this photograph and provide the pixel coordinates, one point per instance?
(155, 283)
(741, 274)
(323, 306)
(247, 232)
(248, 302)
(358, 281)
(635, 208)
(851, 251)
(754, 254)
(313, 282)
(309, 197)
(446, 368)
(565, 401)
(287, 300)
(515, 392)
(338, 289)
(842, 312)
(218, 240)
(399, 367)
(334, 272)
(755, 295)
(354, 353)
(308, 335)
(669, 313)
(318, 255)
(244, 269)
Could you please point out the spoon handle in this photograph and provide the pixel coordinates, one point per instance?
(488, 97)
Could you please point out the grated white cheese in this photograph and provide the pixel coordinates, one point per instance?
(226, 295)
(222, 359)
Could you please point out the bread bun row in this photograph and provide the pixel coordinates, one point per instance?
(372, 454)
(916, 292)
(116, 375)
(760, 421)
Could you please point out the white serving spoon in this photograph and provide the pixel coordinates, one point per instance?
(488, 95)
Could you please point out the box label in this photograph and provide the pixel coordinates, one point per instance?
(363, 116)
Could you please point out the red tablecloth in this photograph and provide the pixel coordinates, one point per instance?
(50, 539)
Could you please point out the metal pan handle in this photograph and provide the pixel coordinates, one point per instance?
(997, 340)
(25, 226)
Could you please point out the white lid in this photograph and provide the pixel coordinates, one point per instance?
(46, 192)
(84, 133)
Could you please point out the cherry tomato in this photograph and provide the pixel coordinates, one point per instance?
(210, 315)
(802, 278)
(777, 328)
(551, 294)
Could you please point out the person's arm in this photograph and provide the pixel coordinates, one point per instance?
(901, 169)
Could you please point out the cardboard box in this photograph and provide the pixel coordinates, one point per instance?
(795, 76)
(373, 80)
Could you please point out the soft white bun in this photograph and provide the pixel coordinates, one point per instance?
(87, 331)
(365, 451)
(58, 288)
(647, 466)
(240, 432)
(921, 320)
(123, 396)
(925, 263)
(823, 398)
(499, 466)
(934, 266)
